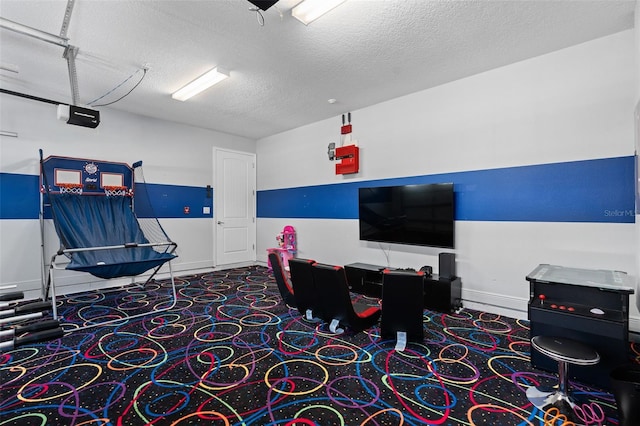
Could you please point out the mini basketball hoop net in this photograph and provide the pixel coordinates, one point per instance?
(70, 188)
(116, 191)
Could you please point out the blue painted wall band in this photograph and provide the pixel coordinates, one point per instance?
(169, 201)
(599, 190)
(19, 196)
(20, 199)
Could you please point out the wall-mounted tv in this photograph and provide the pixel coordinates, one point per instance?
(408, 214)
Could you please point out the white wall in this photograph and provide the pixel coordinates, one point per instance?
(637, 33)
(573, 104)
(172, 154)
(637, 138)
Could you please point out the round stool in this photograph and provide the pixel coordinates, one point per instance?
(565, 351)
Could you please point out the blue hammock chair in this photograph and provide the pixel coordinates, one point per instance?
(98, 230)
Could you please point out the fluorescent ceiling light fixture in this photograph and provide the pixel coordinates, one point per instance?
(310, 10)
(201, 83)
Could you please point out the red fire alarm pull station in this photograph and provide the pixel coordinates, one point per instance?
(347, 156)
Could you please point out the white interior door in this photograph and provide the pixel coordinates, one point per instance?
(235, 207)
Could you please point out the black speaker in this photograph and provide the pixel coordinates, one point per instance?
(447, 265)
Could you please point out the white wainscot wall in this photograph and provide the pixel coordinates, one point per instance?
(21, 256)
(492, 258)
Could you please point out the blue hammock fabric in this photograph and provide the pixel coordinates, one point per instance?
(98, 221)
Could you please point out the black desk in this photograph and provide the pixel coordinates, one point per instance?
(364, 278)
(565, 310)
(440, 294)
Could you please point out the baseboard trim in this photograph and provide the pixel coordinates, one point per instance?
(515, 307)
(499, 304)
(497, 310)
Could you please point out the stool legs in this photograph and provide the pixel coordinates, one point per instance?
(560, 398)
(564, 351)
(544, 397)
(562, 378)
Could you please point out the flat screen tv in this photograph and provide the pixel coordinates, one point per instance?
(408, 214)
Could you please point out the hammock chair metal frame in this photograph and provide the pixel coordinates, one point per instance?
(116, 180)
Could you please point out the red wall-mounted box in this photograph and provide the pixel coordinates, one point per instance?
(348, 158)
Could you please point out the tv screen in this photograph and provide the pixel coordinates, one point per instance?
(409, 214)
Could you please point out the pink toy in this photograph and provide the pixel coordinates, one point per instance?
(287, 246)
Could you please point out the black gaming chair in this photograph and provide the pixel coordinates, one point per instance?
(282, 279)
(402, 307)
(304, 290)
(336, 306)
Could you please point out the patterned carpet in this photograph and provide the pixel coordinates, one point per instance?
(231, 353)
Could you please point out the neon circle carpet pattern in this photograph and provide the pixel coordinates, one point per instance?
(231, 353)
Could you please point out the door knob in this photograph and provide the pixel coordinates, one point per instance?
(220, 222)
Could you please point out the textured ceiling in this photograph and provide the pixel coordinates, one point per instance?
(282, 73)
